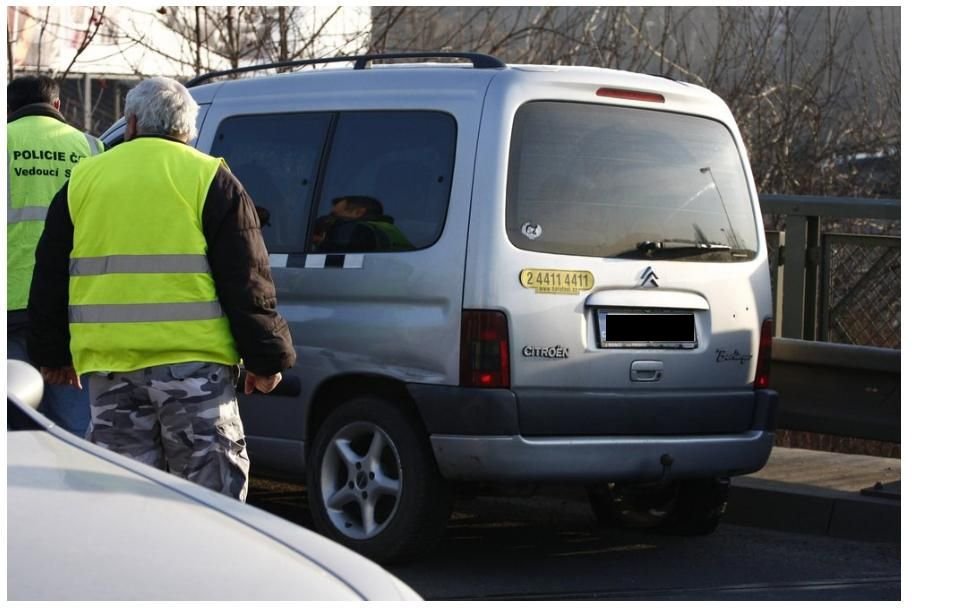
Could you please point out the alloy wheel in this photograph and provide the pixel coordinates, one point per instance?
(361, 480)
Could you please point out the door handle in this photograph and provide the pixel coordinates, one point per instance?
(646, 370)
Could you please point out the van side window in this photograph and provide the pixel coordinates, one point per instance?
(276, 158)
(387, 182)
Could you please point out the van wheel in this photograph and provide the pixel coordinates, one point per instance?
(684, 508)
(372, 482)
(628, 505)
(698, 507)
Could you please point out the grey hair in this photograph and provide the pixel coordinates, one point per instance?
(163, 107)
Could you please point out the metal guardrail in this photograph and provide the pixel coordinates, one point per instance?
(836, 358)
(818, 276)
(859, 298)
(843, 390)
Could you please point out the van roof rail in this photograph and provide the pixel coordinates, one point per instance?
(479, 60)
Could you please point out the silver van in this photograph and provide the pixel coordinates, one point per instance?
(564, 279)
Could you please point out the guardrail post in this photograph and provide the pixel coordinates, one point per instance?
(811, 292)
(776, 271)
(826, 268)
(793, 277)
(800, 285)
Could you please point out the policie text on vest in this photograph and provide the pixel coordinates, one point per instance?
(45, 155)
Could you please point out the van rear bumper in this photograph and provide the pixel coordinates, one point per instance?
(477, 435)
(456, 411)
(516, 458)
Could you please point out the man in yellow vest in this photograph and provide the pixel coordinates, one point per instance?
(41, 152)
(153, 278)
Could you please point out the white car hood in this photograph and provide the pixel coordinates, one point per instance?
(86, 523)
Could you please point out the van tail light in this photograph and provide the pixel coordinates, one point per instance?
(484, 350)
(764, 356)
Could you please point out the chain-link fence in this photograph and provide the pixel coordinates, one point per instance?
(860, 279)
(858, 267)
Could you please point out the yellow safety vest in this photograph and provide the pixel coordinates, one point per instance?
(41, 151)
(141, 291)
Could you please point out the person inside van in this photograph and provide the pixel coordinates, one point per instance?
(356, 223)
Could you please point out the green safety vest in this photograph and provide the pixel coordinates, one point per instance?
(40, 154)
(395, 240)
(141, 291)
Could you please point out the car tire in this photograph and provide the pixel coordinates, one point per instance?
(683, 508)
(698, 508)
(373, 484)
(629, 506)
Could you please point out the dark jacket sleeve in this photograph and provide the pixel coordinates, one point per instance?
(241, 271)
(48, 343)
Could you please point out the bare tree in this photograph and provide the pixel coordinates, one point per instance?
(87, 37)
(10, 36)
(241, 35)
(212, 33)
(44, 34)
(814, 89)
(287, 34)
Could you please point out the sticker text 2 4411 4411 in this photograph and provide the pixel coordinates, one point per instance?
(556, 281)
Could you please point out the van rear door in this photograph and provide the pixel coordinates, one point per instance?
(633, 276)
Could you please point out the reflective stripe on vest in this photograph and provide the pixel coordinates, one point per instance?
(26, 213)
(140, 263)
(94, 144)
(144, 312)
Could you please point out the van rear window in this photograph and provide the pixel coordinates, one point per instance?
(608, 181)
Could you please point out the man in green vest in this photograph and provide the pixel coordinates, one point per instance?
(356, 223)
(41, 152)
(152, 277)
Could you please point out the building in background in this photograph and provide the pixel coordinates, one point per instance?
(100, 52)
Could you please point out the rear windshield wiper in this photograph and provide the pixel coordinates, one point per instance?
(669, 248)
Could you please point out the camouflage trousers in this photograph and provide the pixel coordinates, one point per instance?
(182, 418)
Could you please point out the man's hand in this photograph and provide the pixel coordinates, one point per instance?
(263, 383)
(63, 375)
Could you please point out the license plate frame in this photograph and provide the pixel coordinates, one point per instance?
(635, 329)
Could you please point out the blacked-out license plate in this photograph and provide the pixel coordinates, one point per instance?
(632, 329)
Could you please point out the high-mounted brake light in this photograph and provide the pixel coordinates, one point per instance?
(626, 94)
(484, 350)
(764, 356)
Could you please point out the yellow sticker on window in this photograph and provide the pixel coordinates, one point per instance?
(556, 281)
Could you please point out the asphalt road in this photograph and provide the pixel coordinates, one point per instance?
(548, 547)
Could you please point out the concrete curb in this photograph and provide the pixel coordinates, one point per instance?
(806, 509)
